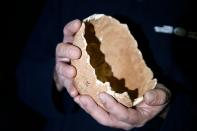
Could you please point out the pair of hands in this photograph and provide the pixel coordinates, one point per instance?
(115, 115)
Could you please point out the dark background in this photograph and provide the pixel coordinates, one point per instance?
(18, 17)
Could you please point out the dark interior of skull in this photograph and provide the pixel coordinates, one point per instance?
(102, 68)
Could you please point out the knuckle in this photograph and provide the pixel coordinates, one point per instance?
(105, 104)
(109, 107)
(109, 104)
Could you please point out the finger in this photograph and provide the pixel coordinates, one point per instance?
(157, 96)
(72, 27)
(58, 81)
(99, 114)
(68, 84)
(145, 112)
(68, 39)
(68, 71)
(129, 116)
(166, 90)
(113, 107)
(67, 51)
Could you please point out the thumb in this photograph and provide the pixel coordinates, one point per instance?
(156, 97)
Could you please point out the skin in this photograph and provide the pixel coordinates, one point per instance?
(115, 114)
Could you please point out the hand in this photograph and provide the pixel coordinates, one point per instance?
(65, 52)
(115, 115)
(118, 116)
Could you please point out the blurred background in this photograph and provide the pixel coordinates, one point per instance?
(20, 18)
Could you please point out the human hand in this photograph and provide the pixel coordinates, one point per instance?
(118, 116)
(115, 115)
(65, 52)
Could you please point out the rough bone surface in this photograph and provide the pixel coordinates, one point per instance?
(111, 62)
